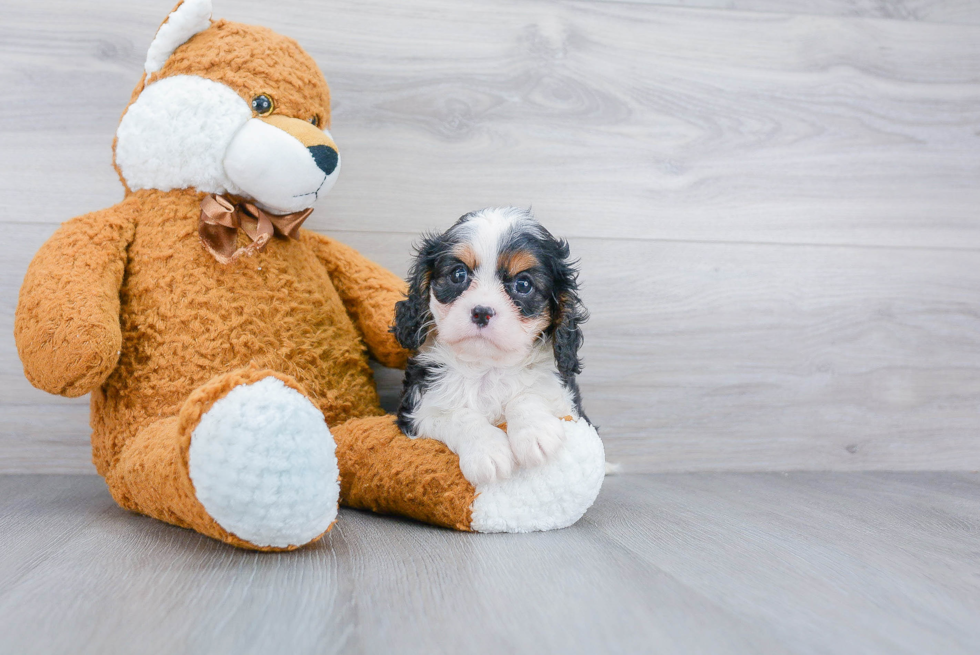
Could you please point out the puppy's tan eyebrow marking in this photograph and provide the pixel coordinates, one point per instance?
(464, 252)
(517, 262)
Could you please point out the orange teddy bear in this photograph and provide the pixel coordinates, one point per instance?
(218, 339)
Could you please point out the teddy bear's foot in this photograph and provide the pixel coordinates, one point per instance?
(263, 465)
(550, 496)
(250, 461)
(385, 471)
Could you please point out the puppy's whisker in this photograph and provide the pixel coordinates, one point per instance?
(424, 329)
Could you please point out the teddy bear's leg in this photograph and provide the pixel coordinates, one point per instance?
(249, 460)
(384, 471)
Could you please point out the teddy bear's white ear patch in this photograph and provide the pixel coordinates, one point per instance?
(191, 17)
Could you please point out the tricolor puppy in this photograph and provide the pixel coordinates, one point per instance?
(494, 316)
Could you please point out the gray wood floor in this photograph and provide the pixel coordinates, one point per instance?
(667, 563)
(775, 203)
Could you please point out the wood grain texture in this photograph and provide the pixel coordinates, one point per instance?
(708, 357)
(716, 563)
(957, 12)
(776, 212)
(659, 122)
(711, 357)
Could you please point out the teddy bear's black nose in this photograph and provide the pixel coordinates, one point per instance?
(325, 157)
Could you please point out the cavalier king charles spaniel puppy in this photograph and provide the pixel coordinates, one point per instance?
(493, 316)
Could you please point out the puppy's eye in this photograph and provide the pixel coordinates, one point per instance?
(458, 276)
(523, 285)
(262, 105)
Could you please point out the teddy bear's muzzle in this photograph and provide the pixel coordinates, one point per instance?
(283, 163)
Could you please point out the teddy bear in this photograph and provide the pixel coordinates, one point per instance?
(225, 348)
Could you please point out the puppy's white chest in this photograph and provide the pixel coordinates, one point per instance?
(486, 393)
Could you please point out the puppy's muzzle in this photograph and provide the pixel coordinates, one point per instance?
(481, 315)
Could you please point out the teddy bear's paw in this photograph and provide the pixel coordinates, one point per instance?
(264, 467)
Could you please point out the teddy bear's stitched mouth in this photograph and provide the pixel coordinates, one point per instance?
(315, 194)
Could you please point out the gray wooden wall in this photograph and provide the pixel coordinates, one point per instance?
(776, 204)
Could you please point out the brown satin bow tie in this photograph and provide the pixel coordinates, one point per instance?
(221, 219)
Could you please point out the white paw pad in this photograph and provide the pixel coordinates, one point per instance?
(264, 466)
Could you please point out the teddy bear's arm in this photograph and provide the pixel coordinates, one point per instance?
(67, 320)
(369, 292)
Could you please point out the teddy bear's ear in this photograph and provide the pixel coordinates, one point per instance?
(187, 19)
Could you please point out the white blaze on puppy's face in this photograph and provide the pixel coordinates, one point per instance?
(506, 336)
(473, 300)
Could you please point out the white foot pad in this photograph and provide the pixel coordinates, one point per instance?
(264, 466)
(547, 497)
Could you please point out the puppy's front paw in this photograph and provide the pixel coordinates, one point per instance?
(535, 440)
(486, 457)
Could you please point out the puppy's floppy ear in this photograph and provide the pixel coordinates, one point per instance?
(568, 337)
(568, 313)
(413, 319)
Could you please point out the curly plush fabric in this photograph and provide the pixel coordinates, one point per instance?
(226, 398)
(387, 472)
(67, 323)
(264, 466)
(250, 60)
(551, 496)
(184, 318)
(151, 475)
(127, 304)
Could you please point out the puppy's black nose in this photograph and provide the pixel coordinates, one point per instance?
(326, 158)
(481, 315)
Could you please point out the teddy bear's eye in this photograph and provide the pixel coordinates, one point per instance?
(315, 121)
(262, 105)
